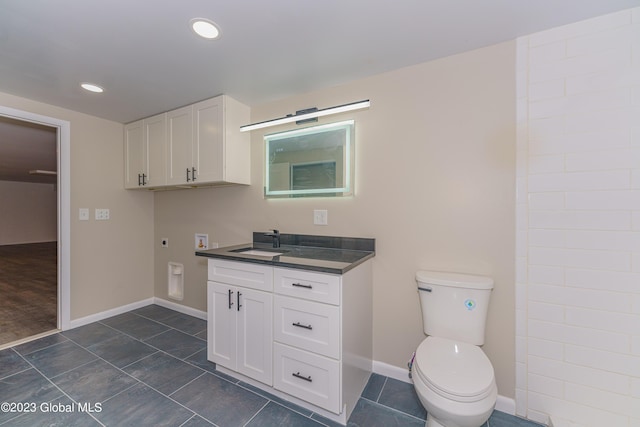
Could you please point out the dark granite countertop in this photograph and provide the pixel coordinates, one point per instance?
(334, 255)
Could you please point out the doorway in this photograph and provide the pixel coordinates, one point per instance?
(34, 244)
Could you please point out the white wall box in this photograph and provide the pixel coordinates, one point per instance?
(319, 334)
(202, 146)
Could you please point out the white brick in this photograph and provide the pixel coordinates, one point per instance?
(602, 120)
(581, 220)
(521, 189)
(621, 158)
(635, 387)
(545, 348)
(546, 275)
(521, 243)
(521, 270)
(598, 339)
(635, 262)
(550, 52)
(522, 162)
(635, 136)
(521, 402)
(576, 181)
(635, 178)
(522, 113)
(546, 128)
(635, 344)
(603, 320)
(546, 201)
(521, 323)
(581, 415)
(603, 40)
(579, 258)
(583, 142)
(589, 26)
(622, 77)
(522, 217)
(521, 350)
(603, 240)
(545, 331)
(546, 312)
(545, 385)
(582, 102)
(576, 374)
(602, 280)
(547, 238)
(548, 89)
(546, 164)
(599, 359)
(521, 374)
(624, 405)
(606, 200)
(636, 220)
(600, 61)
(576, 297)
(635, 304)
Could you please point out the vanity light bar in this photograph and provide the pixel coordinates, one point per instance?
(304, 116)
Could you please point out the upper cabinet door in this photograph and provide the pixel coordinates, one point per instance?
(208, 140)
(179, 146)
(134, 155)
(155, 141)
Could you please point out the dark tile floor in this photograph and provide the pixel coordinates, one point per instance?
(148, 367)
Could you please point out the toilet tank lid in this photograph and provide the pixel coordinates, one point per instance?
(457, 280)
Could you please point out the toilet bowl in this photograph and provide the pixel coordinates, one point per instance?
(455, 383)
(452, 376)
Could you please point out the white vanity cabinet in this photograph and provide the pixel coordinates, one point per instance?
(239, 310)
(320, 334)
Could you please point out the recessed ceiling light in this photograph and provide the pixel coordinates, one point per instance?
(91, 87)
(205, 28)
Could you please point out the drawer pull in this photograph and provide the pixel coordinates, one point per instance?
(230, 302)
(300, 285)
(300, 325)
(297, 375)
(238, 297)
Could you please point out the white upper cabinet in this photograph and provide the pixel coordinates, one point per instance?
(202, 145)
(145, 157)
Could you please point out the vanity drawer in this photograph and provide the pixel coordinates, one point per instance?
(308, 285)
(307, 325)
(245, 274)
(307, 376)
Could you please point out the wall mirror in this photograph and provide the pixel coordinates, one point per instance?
(312, 162)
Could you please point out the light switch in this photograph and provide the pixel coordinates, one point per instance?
(83, 214)
(320, 217)
(102, 214)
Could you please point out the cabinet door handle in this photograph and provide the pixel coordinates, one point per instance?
(193, 174)
(300, 285)
(238, 296)
(230, 301)
(188, 175)
(297, 375)
(139, 184)
(300, 325)
(144, 179)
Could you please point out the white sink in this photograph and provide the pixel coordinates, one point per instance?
(260, 253)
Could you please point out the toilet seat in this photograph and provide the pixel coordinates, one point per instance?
(455, 370)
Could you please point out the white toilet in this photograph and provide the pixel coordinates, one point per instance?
(452, 376)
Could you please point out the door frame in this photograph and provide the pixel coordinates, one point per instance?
(64, 204)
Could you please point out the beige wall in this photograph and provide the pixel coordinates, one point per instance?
(28, 212)
(111, 261)
(435, 185)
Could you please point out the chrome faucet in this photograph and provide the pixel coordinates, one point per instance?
(276, 237)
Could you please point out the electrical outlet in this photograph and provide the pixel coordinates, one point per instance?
(164, 242)
(83, 214)
(102, 214)
(320, 217)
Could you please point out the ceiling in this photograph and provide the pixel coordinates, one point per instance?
(145, 55)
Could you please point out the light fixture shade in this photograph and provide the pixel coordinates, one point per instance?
(205, 28)
(298, 117)
(91, 87)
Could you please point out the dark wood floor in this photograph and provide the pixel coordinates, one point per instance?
(28, 290)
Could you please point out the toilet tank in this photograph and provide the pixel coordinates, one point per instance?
(454, 305)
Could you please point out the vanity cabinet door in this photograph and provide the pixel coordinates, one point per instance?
(134, 155)
(255, 334)
(180, 169)
(221, 324)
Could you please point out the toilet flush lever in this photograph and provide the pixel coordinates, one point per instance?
(420, 288)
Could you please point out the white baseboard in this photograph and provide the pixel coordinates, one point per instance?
(180, 308)
(503, 404)
(108, 313)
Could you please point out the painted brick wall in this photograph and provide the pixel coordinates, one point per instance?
(578, 223)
